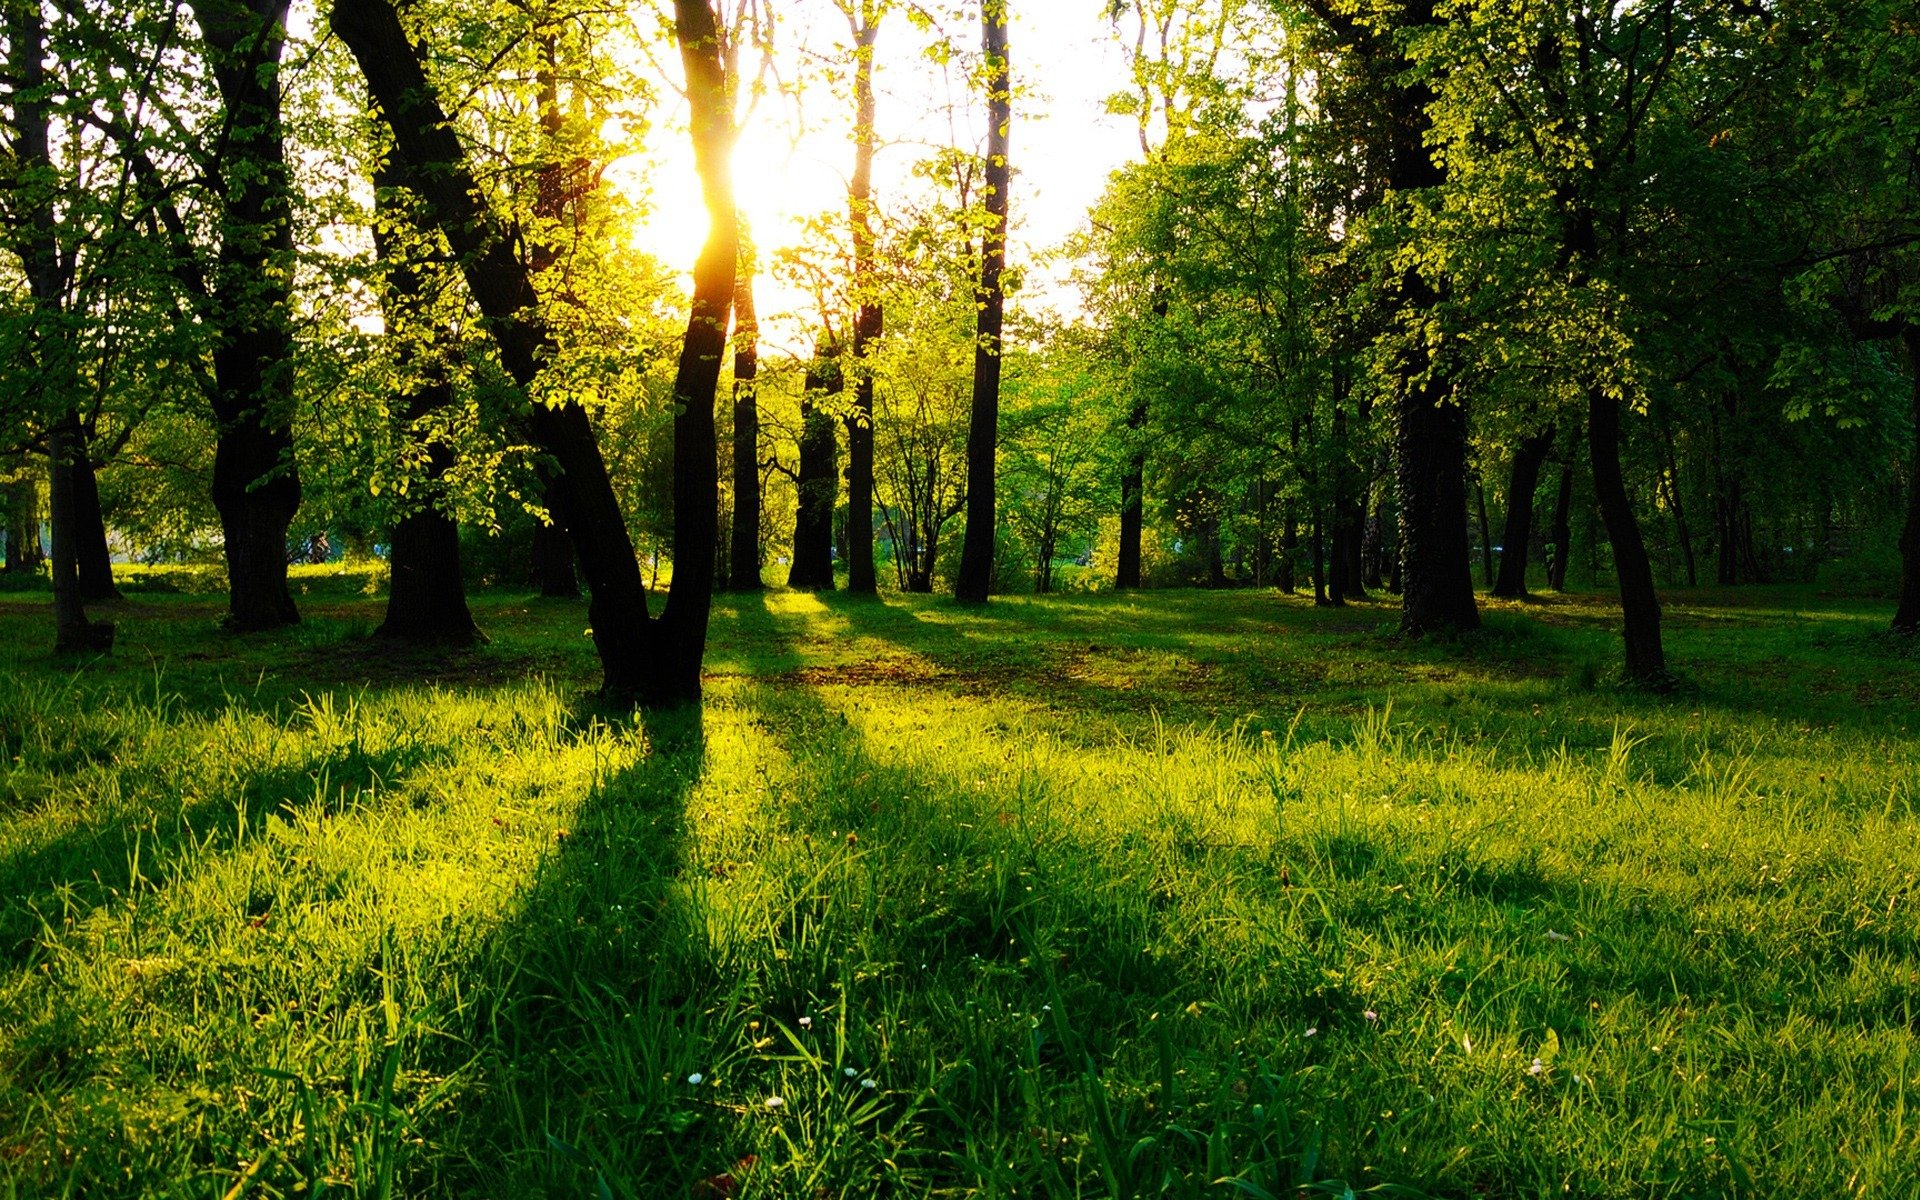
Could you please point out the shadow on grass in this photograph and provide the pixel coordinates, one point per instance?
(589, 1000)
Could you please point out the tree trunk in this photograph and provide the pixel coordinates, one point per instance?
(869, 322)
(745, 555)
(1132, 505)
(817, 488)
(1640, 606)
(426, 589)
(43, 347)
(1521, 486)
(1430, 455)
(1906, 618)
(696, 466)
(256, 487)
(73, 633)
(90, 526)
(1429, 420)
(983, 430)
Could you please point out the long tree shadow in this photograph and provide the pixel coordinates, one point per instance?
(591, 1002)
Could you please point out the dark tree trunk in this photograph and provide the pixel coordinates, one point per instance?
(975, 580)
(1429, 418)
(1430, 455)
(817, 487)
(652, 662)
(1640, 606)
(869, 322)
(1671, 485)
(1560, 531)
(553, 573)
(426, 593)
(73, 633)
(90, 526)
(1521, 487)
(696, 450)
(256, 488)
(1132, 504)
(745, 556)
(426, 590)
(1906, 618)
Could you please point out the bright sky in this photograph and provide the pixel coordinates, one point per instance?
(1064, 143)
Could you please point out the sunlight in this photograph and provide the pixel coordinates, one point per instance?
(789, 170)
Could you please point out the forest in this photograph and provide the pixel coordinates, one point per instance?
(937, 598)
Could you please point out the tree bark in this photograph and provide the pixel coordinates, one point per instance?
(744, 567)
(256, 486)
(1906, 618)
(1640, 606)
(977, 543)
(817, 486)
(1522, 484)
(426, 589)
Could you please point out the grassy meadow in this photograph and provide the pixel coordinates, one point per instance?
(1176, 894)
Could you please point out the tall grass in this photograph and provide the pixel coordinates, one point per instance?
(1183, 896)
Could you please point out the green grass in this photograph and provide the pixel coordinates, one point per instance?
(1177, 894)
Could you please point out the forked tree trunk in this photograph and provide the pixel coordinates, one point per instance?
(655, 663)
(983, 430)
(1640, 606)
(817, 485)
(256, 488)
(744, 564)
(1906, 619)
(426, 589)
(1521, 488)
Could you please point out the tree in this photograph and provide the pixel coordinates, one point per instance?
(869, 322)
(977, 547)
(654, 661)
(1384, 93)
(426, 596)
